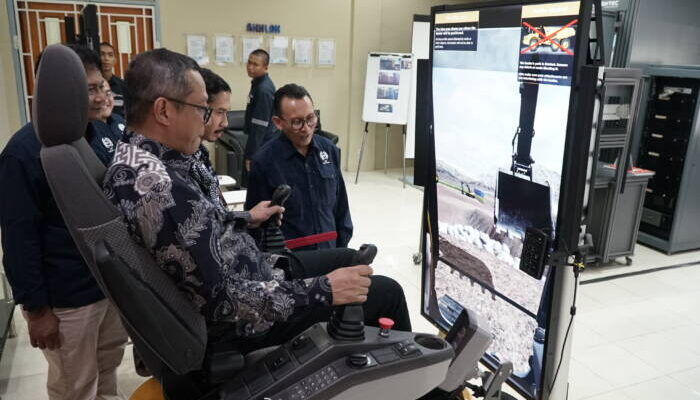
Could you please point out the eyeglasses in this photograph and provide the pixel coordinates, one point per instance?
(298, 123)
(206, 111)
(95, 89)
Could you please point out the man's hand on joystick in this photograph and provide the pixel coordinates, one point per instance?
(270, 210)
(264, 211)
(350, 284)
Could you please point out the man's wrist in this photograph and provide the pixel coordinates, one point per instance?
(35, 311)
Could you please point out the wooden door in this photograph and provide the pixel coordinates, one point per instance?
(31, 18)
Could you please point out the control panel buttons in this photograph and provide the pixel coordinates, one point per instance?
(300, 342)
(407, 349)
(358, 360)
(385, 325)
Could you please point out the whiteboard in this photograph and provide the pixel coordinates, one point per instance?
(420, 46)
(387, 88)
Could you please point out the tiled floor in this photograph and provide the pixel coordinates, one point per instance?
(634, 338)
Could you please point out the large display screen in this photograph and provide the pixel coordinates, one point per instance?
(501, 85)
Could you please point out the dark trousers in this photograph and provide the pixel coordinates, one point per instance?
(385, 298)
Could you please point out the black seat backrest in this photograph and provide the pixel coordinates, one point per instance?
(236, 120)
(165, 326)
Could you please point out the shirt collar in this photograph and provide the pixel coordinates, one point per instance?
(259, 79)
(171, 158)
(288, 149)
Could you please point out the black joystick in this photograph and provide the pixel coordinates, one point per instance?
(348, 321)
(273, 239)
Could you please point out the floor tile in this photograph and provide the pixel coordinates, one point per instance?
(584, 382)
(664, 388)
(628, 369)
(689, 377)
(614, 395)
(663, 354)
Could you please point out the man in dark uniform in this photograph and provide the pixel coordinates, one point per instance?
(258, 113)
(317, 212)
(68, 317)
(116, 83)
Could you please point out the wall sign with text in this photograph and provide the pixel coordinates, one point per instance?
(263, 28)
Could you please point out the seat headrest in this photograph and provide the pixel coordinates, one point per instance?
(59, 110)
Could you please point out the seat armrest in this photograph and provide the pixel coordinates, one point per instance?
(222, 362)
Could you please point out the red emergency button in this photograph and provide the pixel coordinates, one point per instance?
(385, 325)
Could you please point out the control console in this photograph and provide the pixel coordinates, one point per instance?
(314, 365)
(328, 360)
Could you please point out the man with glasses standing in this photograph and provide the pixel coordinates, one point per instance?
(258, 112)
(68, 317)
(317, 213)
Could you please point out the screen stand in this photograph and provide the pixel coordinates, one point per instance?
(493, 382)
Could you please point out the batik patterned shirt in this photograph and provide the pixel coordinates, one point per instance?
(210, 257)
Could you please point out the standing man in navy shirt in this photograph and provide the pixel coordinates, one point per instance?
(258, 113)
(68, 317)
(317, 213)
(116, 83)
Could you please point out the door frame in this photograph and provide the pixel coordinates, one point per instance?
(18, 66)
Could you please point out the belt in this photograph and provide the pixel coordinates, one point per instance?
(311, 239)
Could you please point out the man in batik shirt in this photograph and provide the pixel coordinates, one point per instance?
(206, 250)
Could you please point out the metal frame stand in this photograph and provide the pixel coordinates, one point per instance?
(386, 146)
(403, 154)
(386, 151)
(362, 151)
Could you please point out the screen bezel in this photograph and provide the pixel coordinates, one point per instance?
(569, 207)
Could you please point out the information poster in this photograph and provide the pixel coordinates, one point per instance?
(197, 48)
(387, 88)
(278, 50)
(224, 49)
(326, 52)
(547, 39)
(250, 44)
(302, 51)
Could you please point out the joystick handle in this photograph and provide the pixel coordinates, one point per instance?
(365, 254)
(347, 322)
(273, 239)
(279, 197)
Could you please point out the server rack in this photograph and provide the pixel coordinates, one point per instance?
(617, 192)
(669, 144)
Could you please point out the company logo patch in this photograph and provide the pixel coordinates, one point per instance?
(108, 144)
(324, 157)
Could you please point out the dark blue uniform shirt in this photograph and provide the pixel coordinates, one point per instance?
(258, 115)
(319, 201)
(118, 89)
(42, 263)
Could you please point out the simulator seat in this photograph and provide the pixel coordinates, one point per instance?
(168, 333)
(341, 360)
(230, 148)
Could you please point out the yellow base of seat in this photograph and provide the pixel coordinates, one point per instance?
(149, 390)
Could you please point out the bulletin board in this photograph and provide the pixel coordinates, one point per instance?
(387, 88)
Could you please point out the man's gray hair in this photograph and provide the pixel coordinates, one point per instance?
(152, 74)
